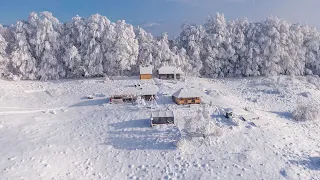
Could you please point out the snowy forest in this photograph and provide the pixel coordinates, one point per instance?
(43, 48)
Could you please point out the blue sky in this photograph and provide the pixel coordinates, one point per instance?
(158, 16)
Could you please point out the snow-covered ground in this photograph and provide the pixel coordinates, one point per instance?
(50, 130)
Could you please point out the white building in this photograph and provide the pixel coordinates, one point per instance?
(169, 72)
(162, 117)
(146, 72)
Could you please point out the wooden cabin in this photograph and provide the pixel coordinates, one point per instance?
(161, 117)
(186, 96)
(169, 72)
(146, 72)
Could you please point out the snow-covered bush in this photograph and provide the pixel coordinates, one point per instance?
(206, 111)
(313, 80)
(216, 131)
(210, 130)
(305, 94)
(201, 126)
(306, 113)
(309, 72)
(197, 124)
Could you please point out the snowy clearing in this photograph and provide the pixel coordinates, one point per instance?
(50, 130)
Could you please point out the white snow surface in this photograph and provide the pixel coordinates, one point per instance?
(50, 130)
(147, 87)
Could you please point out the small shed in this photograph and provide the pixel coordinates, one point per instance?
(169, 72)
(161, 117)
(146, 72)
(186, 96)
(148, 95)
(125, 98)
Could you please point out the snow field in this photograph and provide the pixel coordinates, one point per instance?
(92, 139)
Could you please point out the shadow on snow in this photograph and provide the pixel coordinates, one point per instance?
(285, 115)
(312, 163)
(93, 102)
(138, 135)
(222, 120)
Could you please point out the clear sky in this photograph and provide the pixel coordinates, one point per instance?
(158, 16)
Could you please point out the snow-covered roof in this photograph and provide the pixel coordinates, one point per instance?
(162, 114)
(186, 93)
(136, 91)
(170, 70)
(147, 92)
(144, 89)
(146, 69)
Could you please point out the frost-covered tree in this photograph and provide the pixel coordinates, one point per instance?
(3, 56)
(146, 43)
(252, 53)
(125, 49)
(311, 41)
(181, 60)
(146, 46)
(74, 32)
(93, 50)
(273, 48)
(215, 45)
(237, 48)
(8, 34)
(43, 48)
(23, 63)
(294, 60)
(162, 54)
(44, 37)
(74, 47)
(283, 51)
(191, 39)
(72, 62)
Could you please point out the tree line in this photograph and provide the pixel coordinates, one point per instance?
(42, 48)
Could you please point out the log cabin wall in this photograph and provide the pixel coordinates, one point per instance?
(181, 101)
(145, 76)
